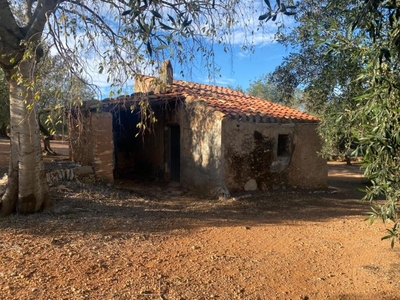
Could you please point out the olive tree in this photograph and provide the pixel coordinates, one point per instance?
(59, 92)
(326, 77)
(378, 110)
(355, 47)
(373, 41)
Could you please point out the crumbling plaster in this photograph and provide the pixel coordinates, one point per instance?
(201, 155)
(307, 169)
(250, 154)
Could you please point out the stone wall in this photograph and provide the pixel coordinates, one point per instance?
(253, 160)
(81, 142)
(103, 150)
(91, 143)
(307, 168)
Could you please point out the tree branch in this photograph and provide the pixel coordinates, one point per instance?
(9, 31)
(99, 18)
(36, 25)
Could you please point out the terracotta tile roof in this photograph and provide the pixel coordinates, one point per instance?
(231, 103)
(235, 104)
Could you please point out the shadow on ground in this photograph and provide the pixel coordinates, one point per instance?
(108, 210)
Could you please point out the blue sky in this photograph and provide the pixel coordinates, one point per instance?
(237, 68)
(242, 68)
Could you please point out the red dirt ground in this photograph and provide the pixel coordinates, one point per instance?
(165, 243)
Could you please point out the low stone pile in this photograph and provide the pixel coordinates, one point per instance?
(59, 175)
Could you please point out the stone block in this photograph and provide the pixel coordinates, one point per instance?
(251, 185)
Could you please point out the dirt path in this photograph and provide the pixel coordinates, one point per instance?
(60, 147)
(161, 243)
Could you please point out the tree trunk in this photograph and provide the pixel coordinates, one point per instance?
(47, 150)
(27, 190)
(47, 136)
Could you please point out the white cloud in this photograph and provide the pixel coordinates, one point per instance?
(219, 80)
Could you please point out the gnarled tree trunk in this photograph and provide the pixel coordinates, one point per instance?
(46, 138)
(27, 190)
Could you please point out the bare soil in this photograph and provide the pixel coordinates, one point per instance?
(161, 242)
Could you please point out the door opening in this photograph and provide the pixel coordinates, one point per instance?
(174, 156)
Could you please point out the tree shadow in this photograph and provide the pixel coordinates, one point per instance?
(106, 210)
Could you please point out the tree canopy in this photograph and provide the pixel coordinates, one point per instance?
(347, 62)
(378, 107)
(266, 87)
(262, 87)
(326, 77)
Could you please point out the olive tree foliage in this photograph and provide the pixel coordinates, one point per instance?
(378, 109)
(361, 40)
(325, 77)
(373, 40)
(266, 87)
(263, 88)
(59, 91)
(117, 38)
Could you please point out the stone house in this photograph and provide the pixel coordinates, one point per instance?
(208, 138)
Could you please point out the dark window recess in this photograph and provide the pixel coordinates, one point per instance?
(174, 153)
(283, 145)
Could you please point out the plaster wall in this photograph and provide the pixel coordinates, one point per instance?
(251, 159)
(148, 85)
(307, 168)
(201, 144)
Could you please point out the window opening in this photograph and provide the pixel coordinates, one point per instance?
(283, 145)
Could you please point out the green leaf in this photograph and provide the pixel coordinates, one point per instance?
(156, 14)
(143, 26)
(149, 49)
(386, 237)
(186, 22)
(136, 13)
(264, 16)
(171, 19)
(289, 13)
(161, 47)
(165, 27)
(268, 3)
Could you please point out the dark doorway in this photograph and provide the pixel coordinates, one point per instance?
(174, 155)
